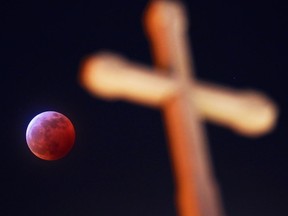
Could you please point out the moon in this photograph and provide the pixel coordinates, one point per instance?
(50, 135)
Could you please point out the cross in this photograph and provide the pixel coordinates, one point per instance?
(184, 101)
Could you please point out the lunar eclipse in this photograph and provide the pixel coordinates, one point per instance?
(50, 135)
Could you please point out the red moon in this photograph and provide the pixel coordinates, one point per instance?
(50, 135)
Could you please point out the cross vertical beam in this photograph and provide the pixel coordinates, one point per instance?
(196, 191)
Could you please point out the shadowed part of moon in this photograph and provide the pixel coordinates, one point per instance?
(50, 135)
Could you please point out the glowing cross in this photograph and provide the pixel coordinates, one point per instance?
(183, 100)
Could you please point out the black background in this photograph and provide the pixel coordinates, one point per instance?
(120, 163)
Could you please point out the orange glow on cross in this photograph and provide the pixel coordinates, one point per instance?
(185, 103)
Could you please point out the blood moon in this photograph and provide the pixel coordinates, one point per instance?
(50, 135)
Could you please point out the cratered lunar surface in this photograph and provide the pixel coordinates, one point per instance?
(50, 135)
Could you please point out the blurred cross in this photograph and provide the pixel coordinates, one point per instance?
(184, 102)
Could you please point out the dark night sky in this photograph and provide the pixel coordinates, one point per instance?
(120, 163)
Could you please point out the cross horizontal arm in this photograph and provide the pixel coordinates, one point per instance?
(113, 77)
